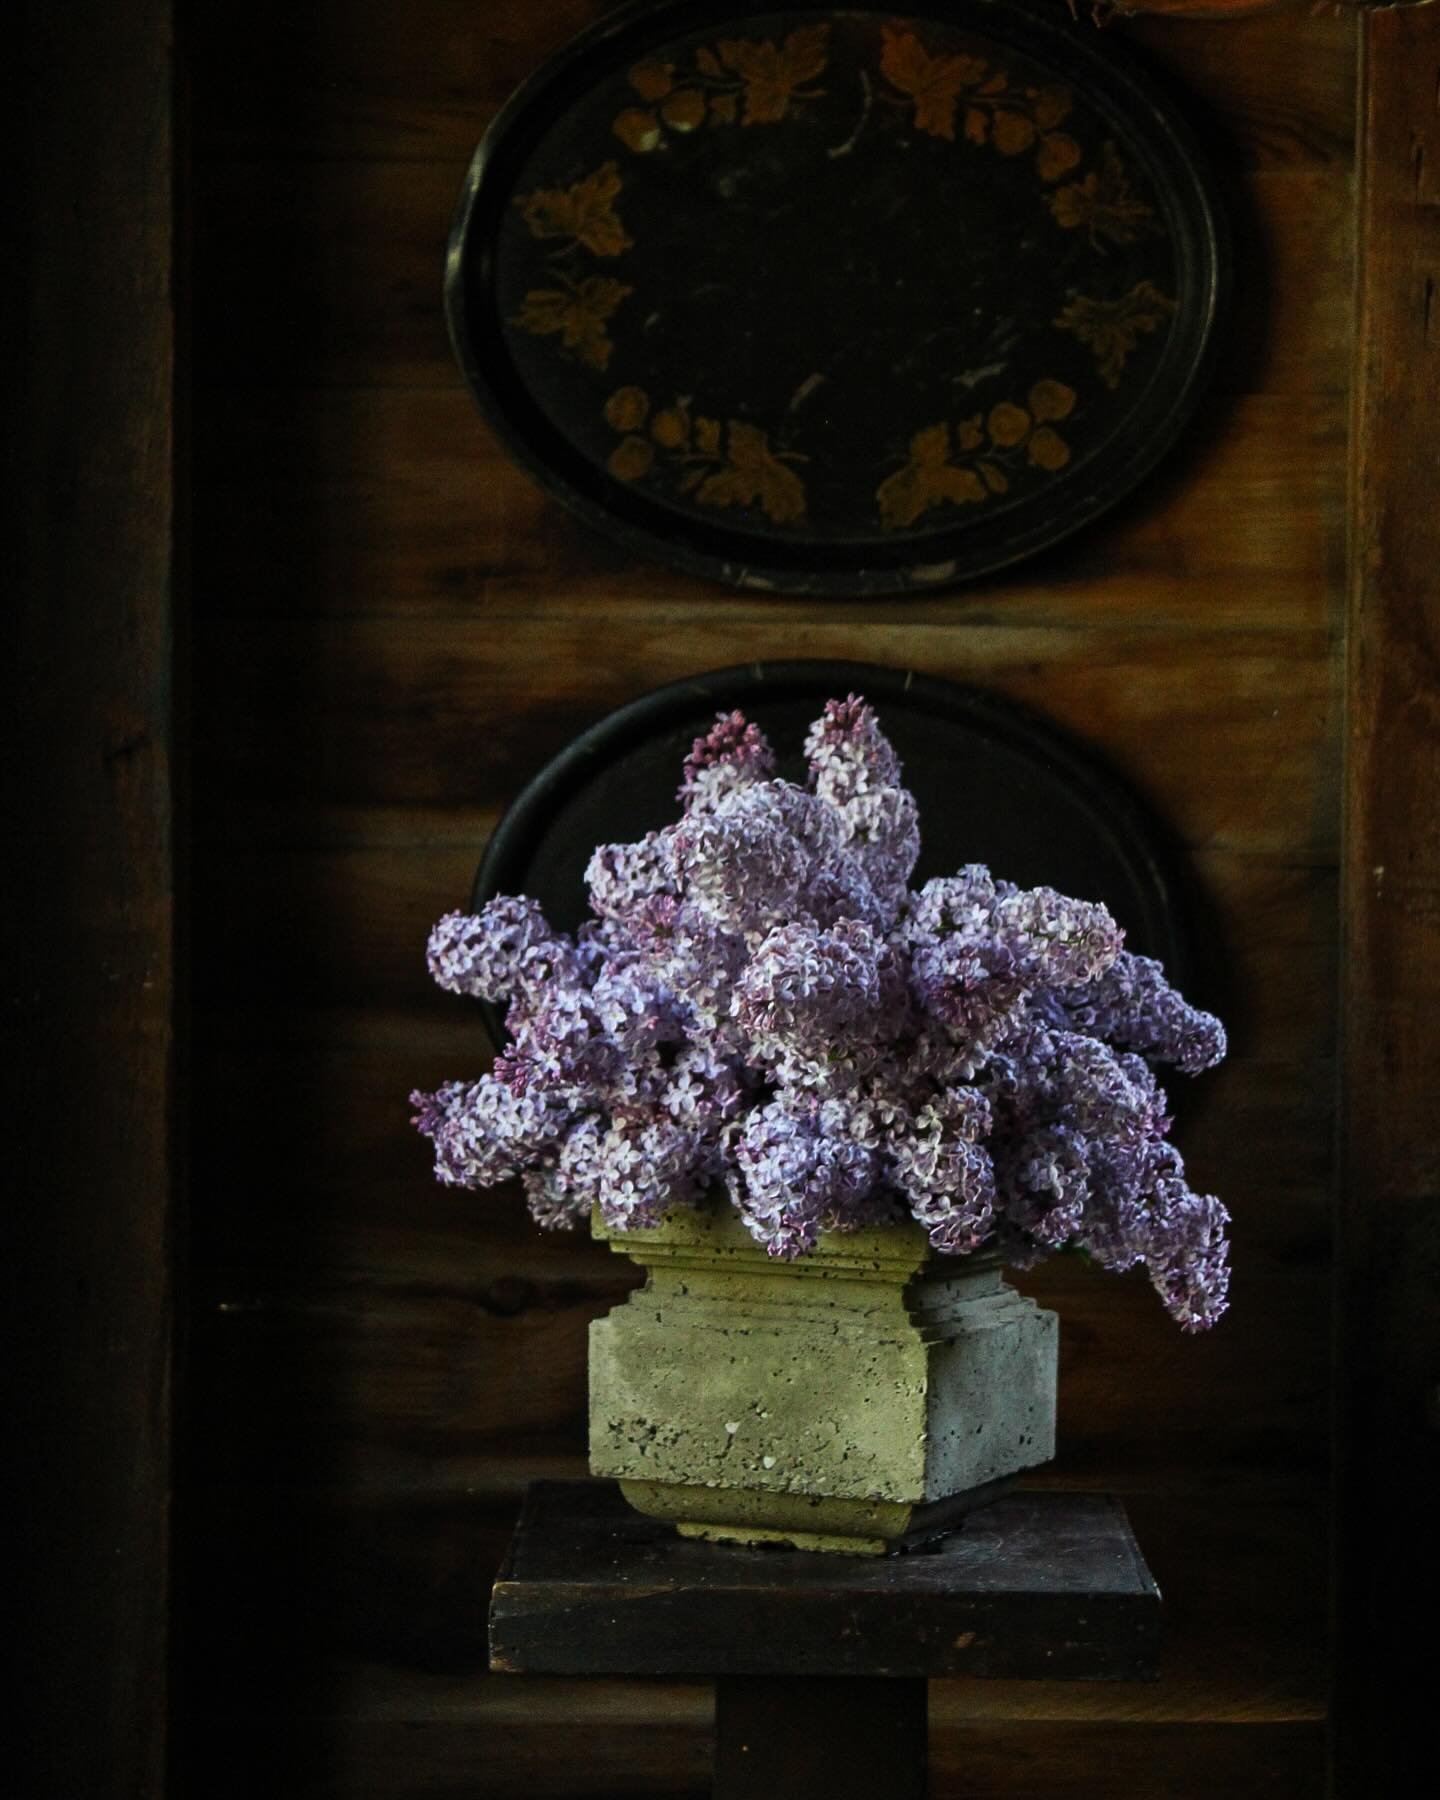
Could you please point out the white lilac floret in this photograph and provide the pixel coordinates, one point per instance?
(763, 1006)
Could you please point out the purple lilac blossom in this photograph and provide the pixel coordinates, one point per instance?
(731, 755)
(1133, 1004)
(761, 1006)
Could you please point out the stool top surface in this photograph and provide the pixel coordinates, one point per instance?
(1041, 1585)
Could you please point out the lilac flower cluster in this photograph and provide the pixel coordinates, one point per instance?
(762, 1005)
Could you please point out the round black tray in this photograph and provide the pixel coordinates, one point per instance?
(994, 784)
(824, 299)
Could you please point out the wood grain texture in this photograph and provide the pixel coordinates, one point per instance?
(425, 1740)
(395, 630)
(1390, 1166)
(396, 503)
(361, 81)
(89, 958)
(819, 1739)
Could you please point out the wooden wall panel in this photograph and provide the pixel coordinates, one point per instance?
(92, 529)
(1389, 1413)
(394, 629)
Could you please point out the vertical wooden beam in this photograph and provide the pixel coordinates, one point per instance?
(88, 958)
(1390, 1073)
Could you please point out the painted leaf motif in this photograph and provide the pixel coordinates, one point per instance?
(930, 449)
(928, 479)
(934, 83)
(754, 476)
(707, 437)
(1104, 202)
(773, 72)
(995, 479)
(576, 315)
(584, 213)
(1111, 328)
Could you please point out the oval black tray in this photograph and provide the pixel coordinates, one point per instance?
(994, 784)
(824, 299)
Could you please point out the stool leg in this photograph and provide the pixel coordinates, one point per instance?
(819, 1737)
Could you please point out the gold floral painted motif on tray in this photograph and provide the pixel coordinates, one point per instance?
(717, 464)
(960, 98)
(966, 463)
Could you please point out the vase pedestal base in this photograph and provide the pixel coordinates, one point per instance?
(863, 1397)
(804, 1521)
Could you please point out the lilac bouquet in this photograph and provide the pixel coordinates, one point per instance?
(762, 1005)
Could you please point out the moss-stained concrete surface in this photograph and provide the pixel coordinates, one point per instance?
(846, 1400)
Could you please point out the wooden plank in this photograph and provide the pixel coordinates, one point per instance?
(819, 1738)
(323, 1379)
(386, 1733)
(1233, 730)
(356, 80)
(1109, 1762)
(1390, 1165)
(1277, 913)
(89, 964)
(400, 503)
(641, 1741)
(1280, 87)
(362, 246)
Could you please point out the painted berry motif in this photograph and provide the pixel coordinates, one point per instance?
(752, 81)
(965, 95)
(964, 464)
(906, 87)
(724, 465)
(1103, 203)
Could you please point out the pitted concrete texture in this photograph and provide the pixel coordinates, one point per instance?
(871, 1374)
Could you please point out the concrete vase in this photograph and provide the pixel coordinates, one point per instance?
(859, 1398)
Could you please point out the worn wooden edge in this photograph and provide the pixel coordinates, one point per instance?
(1388, 1400)
(733, 1611)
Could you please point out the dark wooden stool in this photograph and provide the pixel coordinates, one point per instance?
(820, 1662)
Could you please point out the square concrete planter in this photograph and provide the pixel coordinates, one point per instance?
(863, 1396)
